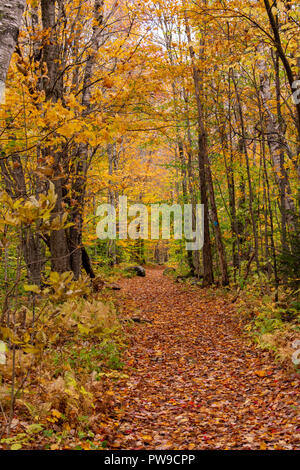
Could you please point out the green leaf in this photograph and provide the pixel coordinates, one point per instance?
(16, 446)
(32, 288)
(34, 428)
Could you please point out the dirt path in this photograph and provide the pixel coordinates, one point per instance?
(194, 382)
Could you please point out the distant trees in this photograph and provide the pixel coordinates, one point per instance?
(203, 89)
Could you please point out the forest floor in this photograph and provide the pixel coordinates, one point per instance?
(195, 380)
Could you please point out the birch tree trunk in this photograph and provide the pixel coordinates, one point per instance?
(11, 12)
(276, 144)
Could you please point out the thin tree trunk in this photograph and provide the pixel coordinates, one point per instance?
(251, 196)
(112, 196)
(287, 66)
(195, 255)
(204, 165)
(275, 142)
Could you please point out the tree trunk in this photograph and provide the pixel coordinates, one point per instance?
(112, 197)
(204, 166)
(32, 248)
(194, 255)
(53, 87)
(11, 12)
(286, 64)
(251, 196)
(276, 145)
(82, 158)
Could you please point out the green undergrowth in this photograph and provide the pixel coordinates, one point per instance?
(272, 325)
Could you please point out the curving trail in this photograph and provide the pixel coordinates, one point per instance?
(194, 381)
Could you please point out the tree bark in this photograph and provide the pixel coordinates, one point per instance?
(82, 158)
(53, 87)
(11, 12)
(251, 195)
(287, 66)
(204, 167)
(276, 145)
(112, 196)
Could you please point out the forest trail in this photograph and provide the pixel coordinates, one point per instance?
(194, 381)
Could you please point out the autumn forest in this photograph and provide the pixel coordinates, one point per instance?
(112, 336)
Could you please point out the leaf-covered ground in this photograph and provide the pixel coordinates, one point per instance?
(195, 382)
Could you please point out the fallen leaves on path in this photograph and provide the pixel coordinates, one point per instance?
(195, 382)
